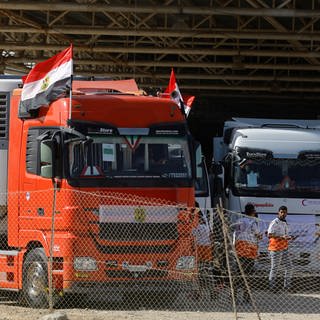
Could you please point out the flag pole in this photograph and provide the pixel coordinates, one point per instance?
(71, 80)
(70, 98)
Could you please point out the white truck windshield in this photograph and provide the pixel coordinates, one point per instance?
(269, 177)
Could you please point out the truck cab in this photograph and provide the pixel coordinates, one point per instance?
(100, 192)
(271, 163)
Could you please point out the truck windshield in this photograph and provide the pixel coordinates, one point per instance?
(277, 177)
(130, 157)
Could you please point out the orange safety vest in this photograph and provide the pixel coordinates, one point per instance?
(276, 244)
(246, 249)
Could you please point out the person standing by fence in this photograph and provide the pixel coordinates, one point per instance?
(247, 236)
(278, 234)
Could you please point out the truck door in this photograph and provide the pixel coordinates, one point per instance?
(36, 192)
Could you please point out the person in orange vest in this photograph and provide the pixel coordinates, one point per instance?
(203, 239)
(247, 236)
(278, 234)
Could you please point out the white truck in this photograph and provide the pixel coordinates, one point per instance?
(274, 162)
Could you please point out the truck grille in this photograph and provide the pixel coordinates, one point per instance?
(134, 275)
(134, 249)
(138, 231)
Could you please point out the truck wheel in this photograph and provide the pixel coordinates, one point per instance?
(35, 279)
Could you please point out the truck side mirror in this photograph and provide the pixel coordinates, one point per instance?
(217, 169)
(47, 157)
(217, 186)
(217, 183)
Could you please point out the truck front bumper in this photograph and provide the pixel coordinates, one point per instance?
(124, 287)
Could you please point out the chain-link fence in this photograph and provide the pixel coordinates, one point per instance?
(111, 250)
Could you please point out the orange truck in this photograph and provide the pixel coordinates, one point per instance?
(100, 191)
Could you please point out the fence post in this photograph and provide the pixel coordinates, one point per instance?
(225, 239)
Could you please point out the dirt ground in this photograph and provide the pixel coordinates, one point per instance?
(270, 307)
(18, 313)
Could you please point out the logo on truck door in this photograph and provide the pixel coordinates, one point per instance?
(139, 215)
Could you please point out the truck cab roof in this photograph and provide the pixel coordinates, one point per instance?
(282, 142)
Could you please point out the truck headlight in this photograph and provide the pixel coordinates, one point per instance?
(85, 264)
(185, 263)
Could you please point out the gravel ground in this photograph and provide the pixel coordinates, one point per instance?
(18, 313)
(271, 307)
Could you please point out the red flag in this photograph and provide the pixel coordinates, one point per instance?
(172, 91)
(47, 81)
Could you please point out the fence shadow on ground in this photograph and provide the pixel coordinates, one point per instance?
(304, 302)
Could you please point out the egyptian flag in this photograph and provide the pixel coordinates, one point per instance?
(184, 102)
(188, 101)
(47, 81)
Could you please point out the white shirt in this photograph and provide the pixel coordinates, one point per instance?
(247, 230)
(202, 235)
(202, 232)
(278, 227)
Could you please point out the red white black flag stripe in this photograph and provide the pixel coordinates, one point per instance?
(47, 81)
(172, 91)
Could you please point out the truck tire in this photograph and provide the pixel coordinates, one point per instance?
(35, 279)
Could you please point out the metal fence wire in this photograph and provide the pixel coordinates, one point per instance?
(65, 249)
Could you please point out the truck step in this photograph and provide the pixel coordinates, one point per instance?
(9, 269)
